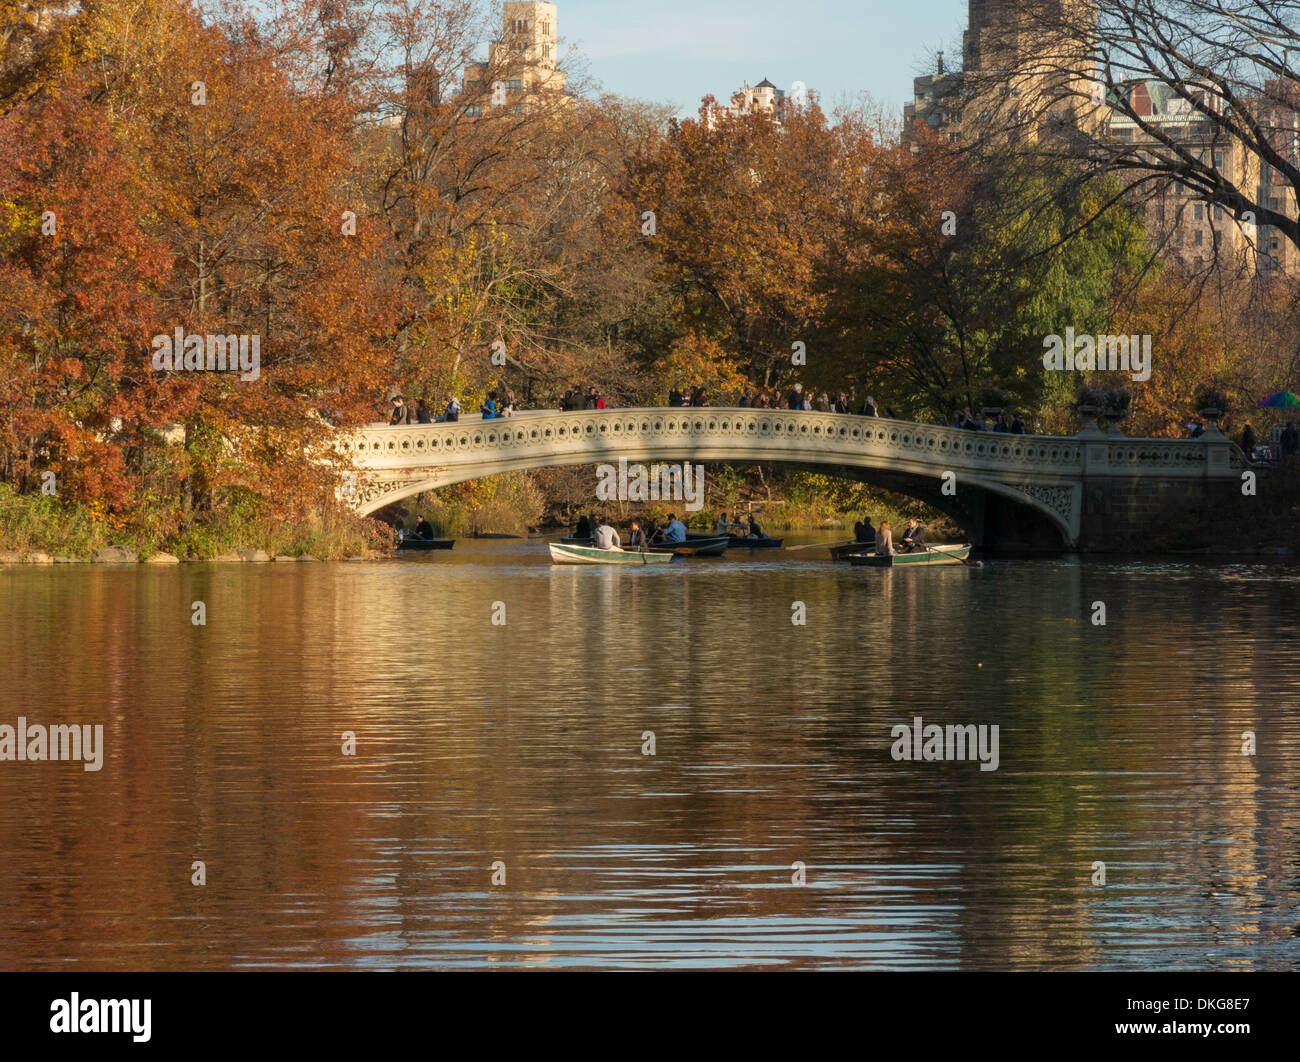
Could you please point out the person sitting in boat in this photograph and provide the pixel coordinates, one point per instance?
(606, 537)
(754, 530)
(675, 531)
(913, 538)
(583, 530)
(636, 537)
(423, 529)
(884, 540)
(722, 525)
(864, 532)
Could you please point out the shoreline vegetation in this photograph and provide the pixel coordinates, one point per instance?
(39, 530)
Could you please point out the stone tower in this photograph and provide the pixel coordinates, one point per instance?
(529, 26)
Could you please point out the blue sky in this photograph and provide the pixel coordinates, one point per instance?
(679, 50)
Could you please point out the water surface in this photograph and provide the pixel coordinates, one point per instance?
(523, 743)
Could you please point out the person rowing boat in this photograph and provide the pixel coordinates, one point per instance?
(675, 532)
(913, 538)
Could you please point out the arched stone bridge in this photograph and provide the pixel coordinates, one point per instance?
(1096, 490)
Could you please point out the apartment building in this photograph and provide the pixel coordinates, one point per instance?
(521, 63)
(1048, 91)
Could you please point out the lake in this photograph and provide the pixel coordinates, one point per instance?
(500, 806)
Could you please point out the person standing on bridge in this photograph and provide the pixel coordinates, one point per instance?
(1289, 443)
(796, 397)
(422, 412)
(452, 412)
(400, 413)
(489, 407)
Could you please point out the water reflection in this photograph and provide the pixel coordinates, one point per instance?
(523, 743)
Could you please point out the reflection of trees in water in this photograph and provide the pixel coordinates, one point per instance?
(1119, 743)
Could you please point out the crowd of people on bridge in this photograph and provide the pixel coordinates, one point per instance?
(575, 398)
(578, 397)
(416, 410)
(963, 418)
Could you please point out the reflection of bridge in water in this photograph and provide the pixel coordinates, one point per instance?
(1093, 491)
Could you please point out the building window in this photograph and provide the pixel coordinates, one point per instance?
(546, 29)
(1198, 213)
(546, 51)
(1218, 213)
(515, 86)
(1218, 160)
(1272, 203)
(1272, 244)
(1198, 238)
(474, 111)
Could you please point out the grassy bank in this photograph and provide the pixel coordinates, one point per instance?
(33, 523)
(510, 504)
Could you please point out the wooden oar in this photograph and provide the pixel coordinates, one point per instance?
(824, 545)
(969, 564)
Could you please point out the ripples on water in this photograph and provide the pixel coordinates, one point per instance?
(523, 743)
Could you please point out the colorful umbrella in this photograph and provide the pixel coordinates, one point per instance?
(1281, 400)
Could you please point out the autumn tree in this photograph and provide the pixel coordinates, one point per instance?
(78, 274)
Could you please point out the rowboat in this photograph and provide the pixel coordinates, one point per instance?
(410, 543)
(574, 540)
(562, 554)
(741, 542)
(847, 549)
(932, 555)
(695, 546)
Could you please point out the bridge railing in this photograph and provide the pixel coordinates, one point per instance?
(403, 446)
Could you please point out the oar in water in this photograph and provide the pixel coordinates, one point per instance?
(969, 564)
(823, 545)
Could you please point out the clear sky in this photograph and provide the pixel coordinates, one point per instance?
(676, 51)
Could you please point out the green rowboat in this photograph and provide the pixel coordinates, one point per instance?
(562, 554)
(694, 546)
(932, 555)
